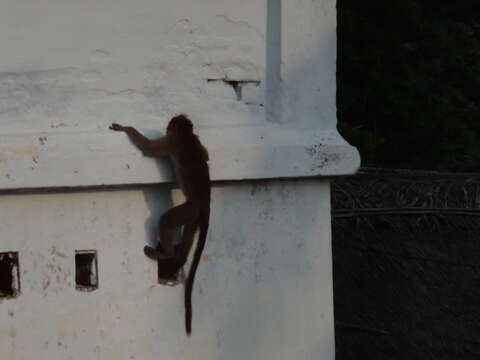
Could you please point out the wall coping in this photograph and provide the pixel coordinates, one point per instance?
(106, 158)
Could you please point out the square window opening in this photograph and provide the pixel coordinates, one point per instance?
(86, 270)
(9, 275)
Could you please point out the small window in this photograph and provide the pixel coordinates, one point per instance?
(9, 275)
(86, 270)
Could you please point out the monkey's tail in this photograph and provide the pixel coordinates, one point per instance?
(202, 237)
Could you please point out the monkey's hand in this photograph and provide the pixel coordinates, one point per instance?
(117, 127)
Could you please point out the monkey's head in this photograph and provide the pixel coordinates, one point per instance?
(180, 125)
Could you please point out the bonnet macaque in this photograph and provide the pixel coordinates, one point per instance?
(189, 158)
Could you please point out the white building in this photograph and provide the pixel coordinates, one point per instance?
(258, 80)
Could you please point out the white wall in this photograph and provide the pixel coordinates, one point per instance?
(70, 68)
(263, 288)
(71, 65)
(78, 66)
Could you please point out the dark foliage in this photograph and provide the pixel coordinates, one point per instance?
(409, 81)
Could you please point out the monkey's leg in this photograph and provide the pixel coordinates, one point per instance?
(168, 268)
(183, 248)
(172, 219)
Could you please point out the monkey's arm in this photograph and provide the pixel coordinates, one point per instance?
(205, 153)
(161, 146)
(157, 147)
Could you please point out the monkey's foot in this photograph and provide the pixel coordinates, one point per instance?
(170, 272)
(150, 252)
(169, 282)
(156, 254)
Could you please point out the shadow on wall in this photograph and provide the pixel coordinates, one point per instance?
(159, 200)
(158, 197)
(295, 92)
(273, 109)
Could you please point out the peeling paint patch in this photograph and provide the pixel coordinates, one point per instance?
(237, 85)
(321, 156)
(36, 92)
(100, 56)
(22, 151)
(16, 152)
(56, 126)
(230, 20)
(56, 252)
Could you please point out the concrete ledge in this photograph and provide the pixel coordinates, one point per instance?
(66, 159)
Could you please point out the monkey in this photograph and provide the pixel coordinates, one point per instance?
(190, 159)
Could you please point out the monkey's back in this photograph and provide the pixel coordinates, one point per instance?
(191, 168)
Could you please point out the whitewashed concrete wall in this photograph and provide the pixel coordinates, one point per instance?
(70, 68)
(263, 290)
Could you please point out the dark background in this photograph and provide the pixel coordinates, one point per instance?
(406, 265)
(408, 82)
(406, 243)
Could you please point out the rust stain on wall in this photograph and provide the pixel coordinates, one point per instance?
(18, 152)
